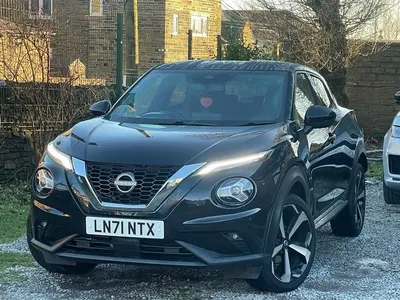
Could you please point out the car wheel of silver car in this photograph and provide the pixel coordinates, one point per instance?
(350, 220)
(391, 197)
(79, 268)
(293, 252)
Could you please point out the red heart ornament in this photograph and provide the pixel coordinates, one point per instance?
(206, 102)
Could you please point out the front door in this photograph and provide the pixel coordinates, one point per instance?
(319, 144)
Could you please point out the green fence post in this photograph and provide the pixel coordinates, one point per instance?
(219, 47)
(118, 77)
(190, 44)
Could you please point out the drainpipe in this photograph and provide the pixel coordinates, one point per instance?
(136, 27)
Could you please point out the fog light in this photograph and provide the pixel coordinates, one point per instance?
(235, 191)
(43, 183)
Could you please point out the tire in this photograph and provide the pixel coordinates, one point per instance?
(79, 268)
(350, 221)
(296, 245)
(391, 197)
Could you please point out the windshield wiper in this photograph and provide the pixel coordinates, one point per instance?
(182, 123)
(255, 123)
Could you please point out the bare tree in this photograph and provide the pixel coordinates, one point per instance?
(41, 106)
(324, 34)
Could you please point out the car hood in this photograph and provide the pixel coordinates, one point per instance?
(104, 141)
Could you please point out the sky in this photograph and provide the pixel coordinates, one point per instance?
(232, 4)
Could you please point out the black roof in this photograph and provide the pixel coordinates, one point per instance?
(254, 65)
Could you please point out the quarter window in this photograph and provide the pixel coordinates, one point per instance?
(199, 25)
(304, 97)
(40, 9)
(96, 7)
(175, 24)
(321, 91)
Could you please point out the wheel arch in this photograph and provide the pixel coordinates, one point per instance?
(360, 155)
(294, 181)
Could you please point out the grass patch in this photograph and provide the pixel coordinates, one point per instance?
(375, 170)
(14, 199)
(8, 260)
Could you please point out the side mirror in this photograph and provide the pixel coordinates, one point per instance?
(397, 97)
(319, 117)
(100, 108)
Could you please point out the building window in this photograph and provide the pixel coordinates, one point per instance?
(40, 9)
(175, 24)
(96, 7)
(199, 25)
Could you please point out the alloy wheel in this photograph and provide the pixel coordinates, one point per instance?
(293, 247)
(359, 199)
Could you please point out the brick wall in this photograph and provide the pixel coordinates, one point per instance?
(16, 158)
(203, 47)
(71, 39)
(13, 10)
(151, 18)
(92, 39)
(376, 79)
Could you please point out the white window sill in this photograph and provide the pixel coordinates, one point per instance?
(199, 35)
(40, 17)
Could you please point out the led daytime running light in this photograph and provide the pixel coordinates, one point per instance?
(233, 163)
(59, 157)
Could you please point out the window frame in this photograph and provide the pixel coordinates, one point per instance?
(39, 14)
(175, 24)
(201, 17)
(96, 14)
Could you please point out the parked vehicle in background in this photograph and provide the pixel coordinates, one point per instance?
(227, 165)
(391, 160)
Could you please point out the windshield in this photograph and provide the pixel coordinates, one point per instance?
(204, 97)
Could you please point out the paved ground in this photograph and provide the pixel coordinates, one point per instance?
(367, 267)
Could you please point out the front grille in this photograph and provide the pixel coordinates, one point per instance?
(394, 164)
(129, 248)
(149, 179)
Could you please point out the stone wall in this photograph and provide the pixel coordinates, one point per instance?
(16, 158)
(373, 82)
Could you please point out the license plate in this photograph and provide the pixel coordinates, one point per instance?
(125, 228)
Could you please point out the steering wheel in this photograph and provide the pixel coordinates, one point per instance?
(163, 112)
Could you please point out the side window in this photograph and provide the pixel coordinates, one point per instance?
(304, 97)
(320, 90)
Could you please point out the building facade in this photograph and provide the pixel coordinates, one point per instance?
(155, 31)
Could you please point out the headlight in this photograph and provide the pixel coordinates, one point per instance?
(235, 191)
(233, 163)
(59, 157)
(43, 183)
(396, 131)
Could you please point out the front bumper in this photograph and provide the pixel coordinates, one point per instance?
(195, 247)
(391, 147)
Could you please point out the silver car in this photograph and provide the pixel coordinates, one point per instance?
(391, 160)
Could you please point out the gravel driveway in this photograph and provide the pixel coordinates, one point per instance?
(367, 267)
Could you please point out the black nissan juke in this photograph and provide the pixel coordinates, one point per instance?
(225, 165)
